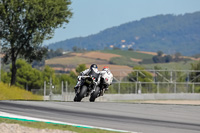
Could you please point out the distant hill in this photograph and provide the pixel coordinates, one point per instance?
(168, 33)
(115, 59)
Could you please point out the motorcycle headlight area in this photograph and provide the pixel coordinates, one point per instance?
(88, 81)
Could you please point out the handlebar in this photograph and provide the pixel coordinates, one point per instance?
(79, 78)
(83, 76)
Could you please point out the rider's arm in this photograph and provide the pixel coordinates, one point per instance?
(83, 73)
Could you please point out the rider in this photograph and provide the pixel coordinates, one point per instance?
(107, 77)
(93, 70)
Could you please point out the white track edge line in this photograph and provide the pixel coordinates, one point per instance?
(4, 114)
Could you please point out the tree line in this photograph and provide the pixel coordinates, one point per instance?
(161, 58)
(30, 78)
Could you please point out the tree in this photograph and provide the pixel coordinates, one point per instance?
(73, 75)
(48, 74)
(159, 53)
(168, 58)
(51, 53)
(5, 76)
(75, 49)
(25, 24)
(28, 77)
(177, 57)
(161, 76)
(69, 79)
(81, 68)
(130, 49)
(140, 75)
(156, 59)
(195, 76)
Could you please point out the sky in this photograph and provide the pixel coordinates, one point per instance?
(92, 16)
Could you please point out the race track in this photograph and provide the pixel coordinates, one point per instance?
(146, 118)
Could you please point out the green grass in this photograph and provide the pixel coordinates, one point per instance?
(170, 66)
(43, 125)
(16, 93)
(122, 61)
(129, 54)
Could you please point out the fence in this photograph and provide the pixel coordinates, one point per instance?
(158, 75)
(140, 81)
(153, 87)
(155, 81)
(50, 89)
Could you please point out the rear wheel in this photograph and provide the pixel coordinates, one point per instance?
(81, 94)
(95, 94)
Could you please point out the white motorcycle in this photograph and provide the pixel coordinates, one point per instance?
(88, 86)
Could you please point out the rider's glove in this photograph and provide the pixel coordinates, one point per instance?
(79, 78)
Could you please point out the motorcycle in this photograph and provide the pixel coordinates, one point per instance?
(103, 85)
(88, 86)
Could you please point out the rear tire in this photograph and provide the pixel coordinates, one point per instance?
(95, 94)
(81, 94)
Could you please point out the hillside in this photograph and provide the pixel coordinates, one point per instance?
(168, 33)
(117, 60)
(104, 57)
(72, 60)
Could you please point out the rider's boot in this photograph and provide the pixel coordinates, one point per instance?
(102, 92)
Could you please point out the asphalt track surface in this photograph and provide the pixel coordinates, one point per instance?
(145, 118)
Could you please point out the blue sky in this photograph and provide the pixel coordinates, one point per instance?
(93, 16)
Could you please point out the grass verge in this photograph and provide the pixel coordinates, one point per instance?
(15, 93)
(43, 125)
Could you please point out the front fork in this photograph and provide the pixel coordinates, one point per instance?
(94, 87)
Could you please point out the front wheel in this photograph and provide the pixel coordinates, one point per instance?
(95, 94)
(81, 94)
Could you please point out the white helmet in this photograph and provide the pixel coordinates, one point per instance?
(106, 68)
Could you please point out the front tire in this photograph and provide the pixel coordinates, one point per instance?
(81, 94)
(95, 94)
